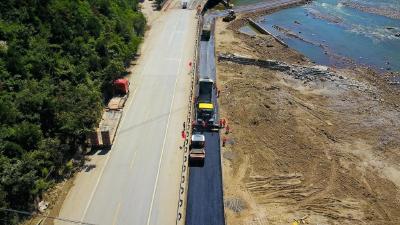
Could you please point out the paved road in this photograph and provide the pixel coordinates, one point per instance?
(140, 178)
(205, 193)
(205, 197)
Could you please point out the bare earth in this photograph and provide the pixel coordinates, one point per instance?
(325, 149)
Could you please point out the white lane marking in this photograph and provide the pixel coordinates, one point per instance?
(165, 136)
(129, 105)
(105, 164)
(133, 160)
(170, 38)
(116, 214)
(95, 187)
(163, 146)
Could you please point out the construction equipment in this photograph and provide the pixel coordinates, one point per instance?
(205, 112)
(231, 16)
(206, 32)
(104, 135)
(197, 153)
(184, 4)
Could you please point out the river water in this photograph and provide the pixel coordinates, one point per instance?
(341, 32)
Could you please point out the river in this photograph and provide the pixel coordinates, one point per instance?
(341, 32)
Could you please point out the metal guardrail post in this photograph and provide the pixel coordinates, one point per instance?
(185, 166)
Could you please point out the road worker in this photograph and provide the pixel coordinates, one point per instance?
(198, 9)
(223, 141)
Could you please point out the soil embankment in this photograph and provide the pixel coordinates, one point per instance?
(306, 141)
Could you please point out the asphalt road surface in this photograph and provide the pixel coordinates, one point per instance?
(205, 202)
(205, 194)
(139, 180)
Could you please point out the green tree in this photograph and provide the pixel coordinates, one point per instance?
(58, 59)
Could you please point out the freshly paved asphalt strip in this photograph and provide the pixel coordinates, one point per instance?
(139, 182)
(205, 204)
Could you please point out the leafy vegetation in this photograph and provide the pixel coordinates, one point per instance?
(57, 61)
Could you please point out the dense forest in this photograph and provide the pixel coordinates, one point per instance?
(57, 61)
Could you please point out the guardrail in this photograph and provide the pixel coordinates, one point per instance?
(183, 186)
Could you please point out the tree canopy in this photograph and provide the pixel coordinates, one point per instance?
(57, 60)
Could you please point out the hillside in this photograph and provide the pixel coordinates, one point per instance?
(57, 59)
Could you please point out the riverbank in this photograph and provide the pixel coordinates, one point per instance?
(335, 33)
(306, 142)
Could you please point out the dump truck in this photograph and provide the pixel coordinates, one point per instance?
(104, 134)
(206, 86)
(197, 153)
(205, 114)
(206, 32)
(184, 4)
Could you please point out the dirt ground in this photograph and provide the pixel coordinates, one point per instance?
(54, 197)
(321, 148)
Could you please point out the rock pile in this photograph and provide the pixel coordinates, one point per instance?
(304, 73)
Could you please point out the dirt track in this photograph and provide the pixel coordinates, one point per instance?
(325, 148)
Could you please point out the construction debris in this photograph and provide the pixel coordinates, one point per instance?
(305, 73)
(42, 206)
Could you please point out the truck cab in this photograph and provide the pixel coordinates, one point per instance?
(206, 32)
(197, 153)
(184, 4)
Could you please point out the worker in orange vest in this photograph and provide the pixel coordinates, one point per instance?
(183, 135)
(198, 9)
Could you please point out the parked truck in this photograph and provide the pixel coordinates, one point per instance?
(197, 153)
(104, 134)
